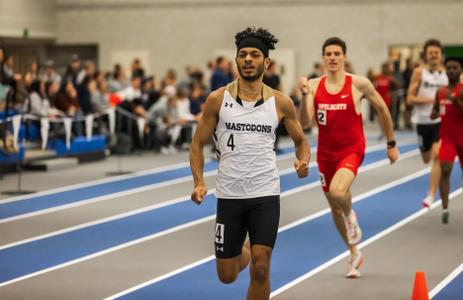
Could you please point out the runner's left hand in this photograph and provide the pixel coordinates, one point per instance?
(393, 154)
(302, 168)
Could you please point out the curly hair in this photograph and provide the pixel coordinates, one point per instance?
(259, 33)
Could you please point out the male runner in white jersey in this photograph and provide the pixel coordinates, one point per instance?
(425, 82)
(335, 99)
(242, 117)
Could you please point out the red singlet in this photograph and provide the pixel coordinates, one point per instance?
(341, 142)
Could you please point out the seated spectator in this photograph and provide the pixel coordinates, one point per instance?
(119, 80)
(149, 93)
(170, 130)
(51, 92)
(67, 101)
(133, 91)
(37, 104)
(31, 74)
(183, 107)
(98, 95)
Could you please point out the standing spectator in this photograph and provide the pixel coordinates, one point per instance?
(137, 69)
(398, 93)
(50, 73)
(317, 71)
(208, 73)
(384, 84)
(407, 75)
(197, 98)
(170, 79)
(371, 75)
(7, 69)
(271, 78)
(73, 70)
(221, 76)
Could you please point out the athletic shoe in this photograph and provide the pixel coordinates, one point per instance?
(354, 233)
(445, 217)
(355, 262)
(427, 202)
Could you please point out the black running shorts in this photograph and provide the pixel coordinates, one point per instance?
(235, 217)
(428, 134)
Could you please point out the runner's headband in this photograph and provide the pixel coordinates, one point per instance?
(253, 43)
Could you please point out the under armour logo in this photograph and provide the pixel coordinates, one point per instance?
(219, 248)
(228, 104)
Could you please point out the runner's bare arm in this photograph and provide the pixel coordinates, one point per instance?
(201, 137)
(412, 93)
(367, 89)
(435, 108)
(459, 100)
(288, 116)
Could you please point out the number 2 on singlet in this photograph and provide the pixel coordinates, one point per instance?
(321, 117)
(231, 142)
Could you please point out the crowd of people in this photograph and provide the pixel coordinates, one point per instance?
(170, 107)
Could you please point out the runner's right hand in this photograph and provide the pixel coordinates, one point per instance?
(199, 193)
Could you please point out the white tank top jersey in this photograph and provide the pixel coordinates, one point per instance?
(244, 138)
(430, 83)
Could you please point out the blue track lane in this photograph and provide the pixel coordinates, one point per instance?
(37, 255)
(298, 250)
(36, 203)
(453, 291)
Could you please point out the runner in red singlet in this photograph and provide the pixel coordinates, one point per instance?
(449, 105)
(334, 99)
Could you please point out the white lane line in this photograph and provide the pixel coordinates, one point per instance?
(103, 198)
(99, 181)
(282, 229)
(109, 250)
(361, 245)
(160, 278)
(117, 178)
(122, 193)
(121, 246)
(446, 281)
(185, 199)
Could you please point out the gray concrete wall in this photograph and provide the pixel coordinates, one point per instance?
(38, 16)
(180, 32)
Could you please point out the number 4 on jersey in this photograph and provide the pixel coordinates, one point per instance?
(231, 142)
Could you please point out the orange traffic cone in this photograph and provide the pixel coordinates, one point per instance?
(420, 289)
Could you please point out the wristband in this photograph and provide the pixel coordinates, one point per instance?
(391, 144)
